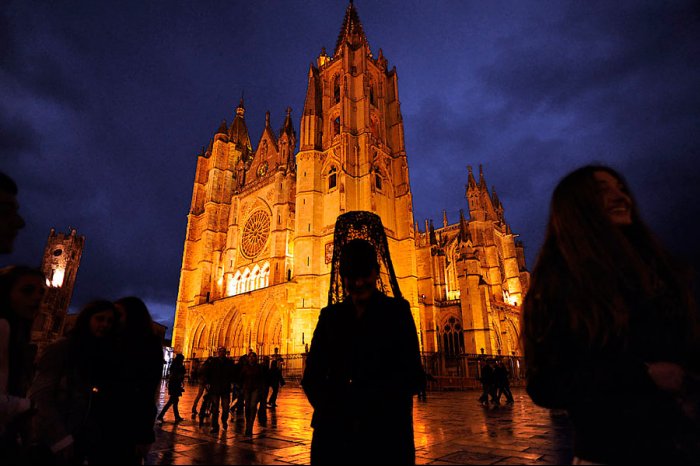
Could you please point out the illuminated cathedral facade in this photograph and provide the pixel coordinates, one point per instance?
(256, 262)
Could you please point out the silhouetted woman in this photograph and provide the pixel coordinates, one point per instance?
(21, 291)
(363, 406)
(175, 387)
(610, 328)
(141, 363)
(76, 391)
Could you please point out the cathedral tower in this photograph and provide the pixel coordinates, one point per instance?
(352, 157)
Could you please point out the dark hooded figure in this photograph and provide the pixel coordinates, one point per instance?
(362, 405)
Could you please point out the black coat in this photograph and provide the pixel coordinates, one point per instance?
(360, 377)
(617, 411)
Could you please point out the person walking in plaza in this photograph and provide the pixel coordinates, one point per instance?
(21, 291)
(275, 382)
(609, 312)
(363, 407)
(176, 387)
(76, 392)
(501, 379)
(219, 376)
(202, 394)
(487, 380)
(253, 382)
(141, 357)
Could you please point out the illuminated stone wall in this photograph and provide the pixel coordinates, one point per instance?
(256, 261)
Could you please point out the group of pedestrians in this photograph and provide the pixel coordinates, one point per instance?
(495, 382)
(226, 387)
(87, 398)
(608, 311)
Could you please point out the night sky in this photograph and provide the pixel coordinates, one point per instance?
(104, 106)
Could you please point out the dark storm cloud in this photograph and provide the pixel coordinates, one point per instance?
(17, 137)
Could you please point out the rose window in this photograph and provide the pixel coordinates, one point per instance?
(255, 234)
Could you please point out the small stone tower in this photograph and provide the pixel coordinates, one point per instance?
(60, 266)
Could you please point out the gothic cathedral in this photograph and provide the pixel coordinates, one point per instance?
(256, 262)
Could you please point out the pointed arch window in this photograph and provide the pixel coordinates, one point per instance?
(265, 276)
(377, 178)
(336, 89)
(332, 178)
(244, 281)
(452, 337)
(372, 95)
(336, 126)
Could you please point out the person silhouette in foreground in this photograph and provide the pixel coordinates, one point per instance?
(610, 329)
(141, 368)
(362, 405)
(77, 392)
(21, 291)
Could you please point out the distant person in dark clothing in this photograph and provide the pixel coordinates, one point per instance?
(219, 374)
(253, 381)
(141, 356)
(238, 385)
(275, 382)
(423, 393)
(362, 405)
(502, 382)
(488, 383)
(610, 328)
(202, 394)
(176, 387)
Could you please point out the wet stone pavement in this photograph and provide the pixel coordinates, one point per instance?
(451, 427)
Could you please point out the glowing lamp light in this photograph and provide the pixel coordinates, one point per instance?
(57, 279)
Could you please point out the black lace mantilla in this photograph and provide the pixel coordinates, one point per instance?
(367, 226)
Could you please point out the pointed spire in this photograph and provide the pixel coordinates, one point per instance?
(312, 104)
(351, 30)
(494, 198)
(238, 132)
(444, 218)
(288, 126)
(222, 127)
(482, 181)
(463, 230)
(267, 119)
(471, 182)
(433, 239)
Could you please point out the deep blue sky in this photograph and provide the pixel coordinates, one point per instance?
(104, 106)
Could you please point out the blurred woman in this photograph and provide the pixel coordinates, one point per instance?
(141, 362)
(76, 391)
(610, 328)
(21, 291)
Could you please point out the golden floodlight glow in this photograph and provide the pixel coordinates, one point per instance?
(57, 279)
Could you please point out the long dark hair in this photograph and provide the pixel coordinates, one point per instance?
(80, 333)
(8, 277)
(589, 268)
(138, 320)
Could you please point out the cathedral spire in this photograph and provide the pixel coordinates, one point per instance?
(238, 132)
(471, 182)
(482, 180)
(288, 126)
(351, 31)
